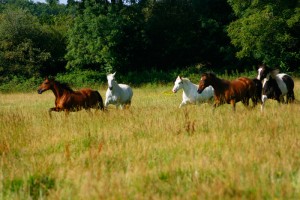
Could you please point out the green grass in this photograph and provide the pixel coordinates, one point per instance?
(154, 150)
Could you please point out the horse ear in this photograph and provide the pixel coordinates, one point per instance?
(179, 77)
(114, 74)
(50, 78)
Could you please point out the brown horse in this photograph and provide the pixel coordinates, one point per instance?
(242, 89)
(68, 100)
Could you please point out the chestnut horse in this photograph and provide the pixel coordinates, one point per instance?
(242, 89)
(68, 100)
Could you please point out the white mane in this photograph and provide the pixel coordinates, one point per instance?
(185, 79)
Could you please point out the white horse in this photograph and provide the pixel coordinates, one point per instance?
(190, 94)
(117, 94)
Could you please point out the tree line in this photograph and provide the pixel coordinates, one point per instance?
(39, 39)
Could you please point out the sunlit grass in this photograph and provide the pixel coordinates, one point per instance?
(153, 150)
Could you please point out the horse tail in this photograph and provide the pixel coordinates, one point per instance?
(100, 101)
(289, 82)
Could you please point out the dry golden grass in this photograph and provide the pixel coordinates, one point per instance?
(154, 150)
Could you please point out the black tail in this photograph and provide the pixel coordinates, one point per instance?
(100, 101)
(289, 82)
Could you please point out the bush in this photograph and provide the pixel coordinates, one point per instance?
(94, 79)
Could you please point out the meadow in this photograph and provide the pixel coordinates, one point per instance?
(154, 150)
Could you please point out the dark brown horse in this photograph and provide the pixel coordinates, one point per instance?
(242, 89)
(68, 100)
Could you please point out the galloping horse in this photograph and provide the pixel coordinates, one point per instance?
(117, 94)
(242, 89)
(275, 85)
(190, 94)
(68, 100)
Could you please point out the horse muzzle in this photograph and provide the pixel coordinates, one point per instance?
(40, 91)
(199, 91)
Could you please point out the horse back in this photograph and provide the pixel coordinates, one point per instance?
(127, 92)
(86, 98)
(242, 88)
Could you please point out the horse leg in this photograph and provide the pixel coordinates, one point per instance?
(182, 104)
(246, 102)
(262, 107)
(55, 109)
(217, 103)
(106, 103)
(88, 110)
(263, 100)
(232, 102)
(254, 102)
(50, 110)
(127, 104)
(281, 99)
(66, 112)
(290, 97)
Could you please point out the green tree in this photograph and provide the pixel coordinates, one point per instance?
(28, 48)
(147, 34)
(267, 31)
(186, 32)
(18, 53)
(104, 37)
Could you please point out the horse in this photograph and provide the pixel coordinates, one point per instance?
(117, 94)
(258, 86)
(275, 85)
(242, 89)
(190, 94)
(69, 100)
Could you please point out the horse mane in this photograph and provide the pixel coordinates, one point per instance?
(273, 72)
(211, 74)
(65, 86)
(185, 79)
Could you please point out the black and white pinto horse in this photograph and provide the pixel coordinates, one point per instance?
(275, 85)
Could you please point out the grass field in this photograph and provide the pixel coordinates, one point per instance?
(154, 150)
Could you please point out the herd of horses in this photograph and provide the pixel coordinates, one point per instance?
(68, 100)
(269, 84)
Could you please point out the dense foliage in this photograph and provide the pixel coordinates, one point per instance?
(137, 36)
(267, 31)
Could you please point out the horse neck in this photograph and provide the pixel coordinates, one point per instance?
(115, 85)
(58, 91)
(188, 87)
(219, 83)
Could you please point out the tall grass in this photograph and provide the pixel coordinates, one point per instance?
(154, 150)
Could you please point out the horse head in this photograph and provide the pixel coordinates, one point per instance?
(110, 79)
(205, 81)
(264, 72)
(46, 85)
(178, 84)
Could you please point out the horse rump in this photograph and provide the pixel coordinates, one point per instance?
(100, 101)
